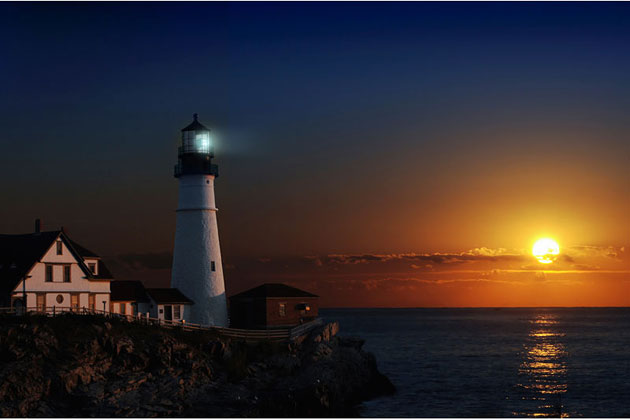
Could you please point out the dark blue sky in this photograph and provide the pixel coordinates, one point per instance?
(342, 127)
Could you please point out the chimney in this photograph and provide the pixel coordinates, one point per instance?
(38, 225)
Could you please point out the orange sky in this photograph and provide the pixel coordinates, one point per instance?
(402, 133)
(455, 230)
(482, 277)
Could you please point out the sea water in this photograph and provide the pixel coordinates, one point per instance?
(523, 362)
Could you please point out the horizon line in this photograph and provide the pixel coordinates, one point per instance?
(477, 307)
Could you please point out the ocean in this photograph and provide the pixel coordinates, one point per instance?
(506, 362)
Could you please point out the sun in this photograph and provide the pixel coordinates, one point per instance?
(546, 250)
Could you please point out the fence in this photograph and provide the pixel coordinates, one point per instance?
(270, 334)
(280, 334)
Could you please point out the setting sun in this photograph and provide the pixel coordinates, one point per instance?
(546, 250)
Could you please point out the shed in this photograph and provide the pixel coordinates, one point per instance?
(168, 304)
(272, 305)
(128, 297)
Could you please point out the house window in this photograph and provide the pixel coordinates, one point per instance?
(177, 314)
(74, 301)
(66, 274)
(49, 273)
(92, 267)
(282, 309)
(59, 299)
(59, 248)
(303, 307)
(123, 308)
(213, 266)
(92, 301)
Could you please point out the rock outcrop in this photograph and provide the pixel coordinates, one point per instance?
(90, 366)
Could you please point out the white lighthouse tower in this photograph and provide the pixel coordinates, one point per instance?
(197, 269)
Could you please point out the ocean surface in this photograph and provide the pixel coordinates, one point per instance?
(512, 362)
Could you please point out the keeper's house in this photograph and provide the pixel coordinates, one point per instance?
(50, 270)
(272, 305)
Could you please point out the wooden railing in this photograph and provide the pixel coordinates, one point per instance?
(270, 334)
(280, 334)
(304, 328)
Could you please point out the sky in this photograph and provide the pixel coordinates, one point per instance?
(404, 154)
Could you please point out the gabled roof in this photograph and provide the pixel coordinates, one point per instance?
(168, 295)
(19, 253)
(128, 290)
(195, 125)
(102, 270)
(84, 252)
(273, 290)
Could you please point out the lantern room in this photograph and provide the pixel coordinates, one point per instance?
(196, 151)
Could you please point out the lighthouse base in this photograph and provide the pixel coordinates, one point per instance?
(197, 269)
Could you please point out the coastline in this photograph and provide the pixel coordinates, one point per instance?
(90, 366)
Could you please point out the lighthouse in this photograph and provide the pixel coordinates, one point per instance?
(197, 269)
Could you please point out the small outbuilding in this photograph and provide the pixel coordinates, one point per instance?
(168, 304)
(128, 297)
(272, 305)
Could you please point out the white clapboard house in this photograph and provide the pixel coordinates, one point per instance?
(47, 271)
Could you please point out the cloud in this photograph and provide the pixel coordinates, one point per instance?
(411, 283)
(590, 251)
(585, 267)
(573, 259)
(423, 266)
(476, 254)
(371, 275)
(316, 259)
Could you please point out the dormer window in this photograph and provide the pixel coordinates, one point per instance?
(59, 248)
(92, 267)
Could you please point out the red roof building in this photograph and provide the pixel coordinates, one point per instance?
(272, 305)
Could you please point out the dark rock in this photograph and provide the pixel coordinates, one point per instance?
(73, 366)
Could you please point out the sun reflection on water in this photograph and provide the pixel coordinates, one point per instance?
(542, 373)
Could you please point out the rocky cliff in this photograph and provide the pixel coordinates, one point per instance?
(86, 366)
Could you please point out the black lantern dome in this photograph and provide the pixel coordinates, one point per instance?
(195, 125)
(196, 152)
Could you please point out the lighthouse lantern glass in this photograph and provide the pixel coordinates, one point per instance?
(197, 142)
(202, 142)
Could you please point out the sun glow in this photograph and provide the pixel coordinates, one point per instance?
(546, 250)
